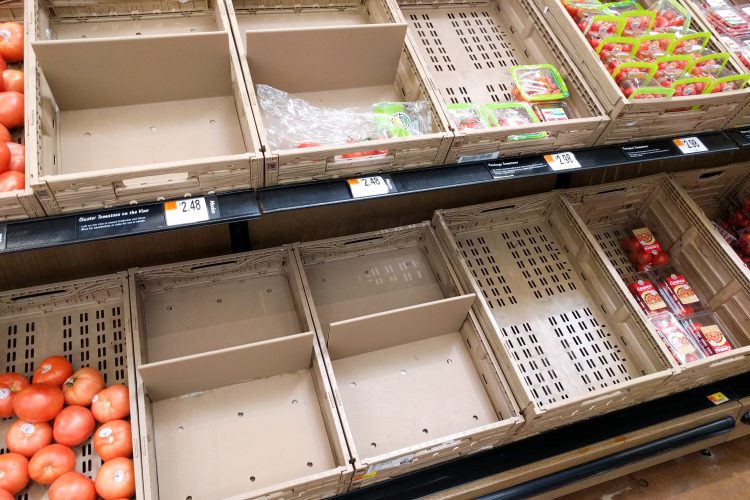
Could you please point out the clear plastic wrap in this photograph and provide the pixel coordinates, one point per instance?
(295, 123)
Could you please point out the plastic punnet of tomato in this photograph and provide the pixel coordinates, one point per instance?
(618, 46)
(729, 21)
(690, 86)
(670, 16)
(710, 65)
(727, 81)
(601, 27)
(690, 43)
(643, 71)
(651, 91)
(579, 8)
(538, 82)
(744, 56)
(614, 61)
(553, 111)
(512, 114)
(467, 116)
(652, 47)
(638, 22)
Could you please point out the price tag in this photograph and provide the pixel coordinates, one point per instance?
(3, 233)
(562, 161)
(187, 211)
(362, 187)
(688, 145)
(718, 398)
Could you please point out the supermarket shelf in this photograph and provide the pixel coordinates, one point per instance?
(124, 221)
(566, 439)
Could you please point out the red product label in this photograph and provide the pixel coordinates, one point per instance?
(646, 239)
(677, 341)
(711, 336)
(647, 296)
(681, 289)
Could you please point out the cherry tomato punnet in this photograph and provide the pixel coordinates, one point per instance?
(38, 402)
(112, 403)
(73, 425)
(10, 384)
(26, 438)
(51, 462)
(17, 156)
(12, 181)
(11, 109)
(82, 386)
(54, 371)
(116, 479)
(114, 440)
(14, 474)
(72, 486)
(11, 41)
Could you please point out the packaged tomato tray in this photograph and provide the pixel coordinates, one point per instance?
(646, 295)
(644, 250)
(729, 21)
(706, 330)
(467, 116)
(681, 298)
(538, 82)
(679, 342)
(552, 111)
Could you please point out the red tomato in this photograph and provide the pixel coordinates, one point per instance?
(82, 386)
(114, 439)
(5, 495)
(661, 259)
(38, 403)
(5, 134)
(14, 474)
(116, 479)
(73, 425)
(10, 384)
(72, 486)
(4, 157)
(26, 438)
(11, 41)
(11, 109)
(112, 403)
(13, 80)
(17, 157)
(11, 181)
(3, 66)
(54, 371)
(51, 462)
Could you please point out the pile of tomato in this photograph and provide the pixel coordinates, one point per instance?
(12, 154)
(58, 410)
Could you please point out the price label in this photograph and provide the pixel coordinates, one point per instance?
(562, 161)
(362, 187)
(187, 211)
(688, 145)
(3, 234)
(718, 398)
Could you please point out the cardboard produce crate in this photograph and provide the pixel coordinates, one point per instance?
(414, 379)
(468, 49)
(335, 55)
(646, 118)
(564, 330)
(233, 394)
(695, 249)
(138, 102)
(21, 203)
(88, 322)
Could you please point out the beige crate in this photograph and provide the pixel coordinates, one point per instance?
(125, 112)
(468, 48)
(88, 322)
(564, 329)
(695, 249)
(714, 189)
(414, 379)
(647, 118)
(22, 203)
(231, 383)
(305, 55)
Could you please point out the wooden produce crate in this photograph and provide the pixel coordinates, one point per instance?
(468, 48)
(695, 249)
(88, 322)
(564, 329)
(233, 393)
(125, 114)
(21, 203)
(341, 54)
(414, 379)
(633, 121)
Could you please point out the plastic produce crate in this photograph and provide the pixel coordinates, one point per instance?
(695, 250)
(414, 379)
(646, 118)
(88, 322)
(713, 189)
(21, 203)
(340, 54)
(231, 383)
(124, 112)
(468, 48)
(564, 329)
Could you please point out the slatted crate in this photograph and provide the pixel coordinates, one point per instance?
(695, 250)
(414, 379)
(564, 329)
(21, 203)
(301, 50)
(468, 48)
(645, 118)
(88, 322)
(125, 115)
(231, 383)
